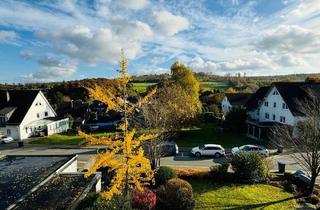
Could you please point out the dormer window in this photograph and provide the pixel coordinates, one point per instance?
(284, 106)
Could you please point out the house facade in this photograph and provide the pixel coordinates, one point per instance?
(25, 113)
(234, 101)
(277, 105)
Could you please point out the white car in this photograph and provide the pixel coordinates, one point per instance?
(251, 148)
(6, 139)
(215, 150)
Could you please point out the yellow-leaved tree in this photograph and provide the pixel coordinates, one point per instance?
(124, 155)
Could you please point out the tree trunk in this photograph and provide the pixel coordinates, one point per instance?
(312, 183)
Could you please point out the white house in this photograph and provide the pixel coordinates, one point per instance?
(234, 101)
(277, 105)
(25, 113)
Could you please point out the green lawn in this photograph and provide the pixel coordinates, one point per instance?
(211, 195)
(215, 85)
(142, 86)
(210, 134)
(64, 139)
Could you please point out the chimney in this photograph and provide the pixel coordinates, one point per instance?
(8, 96)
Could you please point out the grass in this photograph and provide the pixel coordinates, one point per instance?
(142, 86)
(215, 85)
(211, 134)
(211, 195)
(64, 139)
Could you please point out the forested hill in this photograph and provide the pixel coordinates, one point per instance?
(205, 77)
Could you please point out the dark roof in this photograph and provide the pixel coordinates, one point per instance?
(19, 174)
(21, 99)
(256, 98)
(295, 93)
(238, 98)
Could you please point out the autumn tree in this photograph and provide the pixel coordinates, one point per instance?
(304, 139)
(175, 103)
(124, 155)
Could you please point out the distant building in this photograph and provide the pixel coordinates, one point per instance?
(25, 113)
(234, 101)
(278, 105)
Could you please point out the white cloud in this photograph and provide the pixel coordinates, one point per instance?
(103, 45)
(290, 60)
(289, 38)
(169, 24)
(132, 4)
(52, 69)
(7, 36)
(25, 54)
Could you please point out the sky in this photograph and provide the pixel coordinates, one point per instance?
(55, 40)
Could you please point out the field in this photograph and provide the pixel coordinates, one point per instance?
(142, 87)
(210, 133)
(211, 195)
(215, 85)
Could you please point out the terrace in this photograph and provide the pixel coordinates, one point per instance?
(37, 182)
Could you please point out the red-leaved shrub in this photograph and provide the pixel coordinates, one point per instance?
(144, 200)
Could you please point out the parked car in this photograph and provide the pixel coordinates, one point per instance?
(6, 139)
(215, 150)
(169, 148)
(251, 148)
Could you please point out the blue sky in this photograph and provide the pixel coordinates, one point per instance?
(43, 40)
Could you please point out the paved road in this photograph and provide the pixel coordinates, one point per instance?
(85, 154)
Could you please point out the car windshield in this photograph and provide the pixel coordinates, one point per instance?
(242, 147)
(201, 147)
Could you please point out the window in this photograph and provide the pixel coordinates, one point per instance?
(8, 132)
(284, 106)
(2, 120)
(46, 114)
(267, 116)
(273, 117)
(275, 92)
(274, 105)
(282, 119)
(266, 103)
(38, 115)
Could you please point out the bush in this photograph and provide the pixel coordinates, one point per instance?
(116, 203)
(191, 173)
(180, 183)
(144, 200)
(174, 197)
(313, 199)
(289, 187)
(218, 171)
(163, 174)
(249, 167)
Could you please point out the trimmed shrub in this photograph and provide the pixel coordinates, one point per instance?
(249, 167)
(116, 203)
(144, 200)
(219, 170)
(174, 197)
(163, 174)
(180, 183)
(192, 173)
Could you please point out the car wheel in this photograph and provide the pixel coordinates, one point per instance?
(198, 154)
(217, 155)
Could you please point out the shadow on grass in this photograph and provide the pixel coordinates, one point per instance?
(260, 205)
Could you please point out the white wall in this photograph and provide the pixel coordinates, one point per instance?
(225, 105)
(58, 126)
(277, 111)
(14, 130)
(39, 106)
